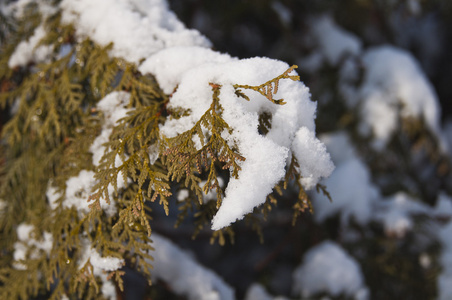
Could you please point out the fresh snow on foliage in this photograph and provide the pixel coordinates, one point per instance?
(393, 84)
(311, 154)
(78, 190)
(27, 240)
(384, 84)
(191, 69)
(355, 196)
(328, 268)
(350, 184)
(101, 267)
(393, 87)
(332, 44)
(98, 262)
(114, 107)
(137, 28)
(179, 57)
(28, 51)
(184, 274)
(339, 146)
(396, 212)
(352, 193)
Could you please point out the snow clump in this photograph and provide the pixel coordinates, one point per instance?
(396, 213)
(137, 28)
(27, 240)
(292, 129)
(184, 274)
(29, 51)
(113, 107)
(332, 44)
(78, 190)
(393, 87)
(101, 266)
(328, 268)
(350, 184)
(151, 36)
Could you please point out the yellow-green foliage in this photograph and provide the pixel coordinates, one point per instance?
(47, 139)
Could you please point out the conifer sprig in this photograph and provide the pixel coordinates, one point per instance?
(130, 143)
(269, 88)
(183, 159)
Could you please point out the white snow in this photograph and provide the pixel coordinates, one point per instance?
(137, 28)
(191, 69)
(443, 205)
(396, 212)
(339, 146)
(333, 42)
(258, 292)
(355, 196)
(99, 262)
(23, 232)
(352, 192)
(328, 268)
(78, 190)
(114, 107)
(186, 276)
(146, 30)
(101, 267)
(171, 64)
(27, 240)
(313, 158)
(28, 51)
(52, 195)
(182, 195)
(393, 85)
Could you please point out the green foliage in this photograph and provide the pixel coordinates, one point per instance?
(268, 88)
(184, 160)
(47, 141)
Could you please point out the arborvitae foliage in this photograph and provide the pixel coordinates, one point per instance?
(47, 140)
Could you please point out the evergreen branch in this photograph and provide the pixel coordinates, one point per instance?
(269, 88)
(183, 159)
(130, 142)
